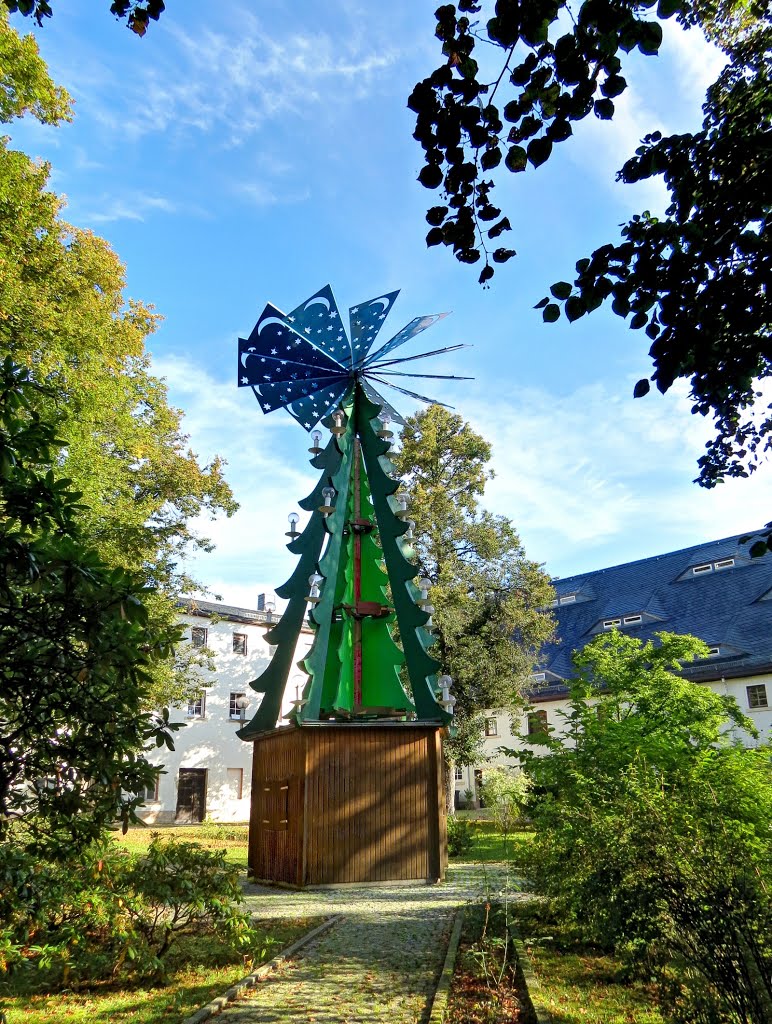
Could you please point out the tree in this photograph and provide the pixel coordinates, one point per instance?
(76, 648)
(652, 832)
(64, 316)
(697, 279)
(488, 596)
(136, 13)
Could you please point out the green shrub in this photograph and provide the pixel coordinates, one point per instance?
(108, 913)
(460, 836)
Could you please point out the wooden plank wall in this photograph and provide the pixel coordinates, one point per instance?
(277, 853)
(372, 806)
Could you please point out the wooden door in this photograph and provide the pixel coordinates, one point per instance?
(191, 796)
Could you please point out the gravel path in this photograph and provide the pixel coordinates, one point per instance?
(380, 964)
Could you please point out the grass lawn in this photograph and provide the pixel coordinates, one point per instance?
(578, 983)
(199, 970)
(231, 838)
(490, 845)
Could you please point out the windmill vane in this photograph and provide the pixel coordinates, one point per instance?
(304, 361)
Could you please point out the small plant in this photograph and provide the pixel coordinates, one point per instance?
(108, 914)
(460, 836)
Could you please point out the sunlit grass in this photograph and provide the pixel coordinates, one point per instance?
(199, 969)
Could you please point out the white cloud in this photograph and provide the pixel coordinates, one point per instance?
(133, 206)
(260, 194)
(590, 478)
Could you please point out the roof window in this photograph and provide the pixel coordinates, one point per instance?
(611, 623)
(717, 566)
(632, 620)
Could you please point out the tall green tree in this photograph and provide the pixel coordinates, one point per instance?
(697, 279)
(64, 317)
(488, 596)
(652, 831)
(77, 648)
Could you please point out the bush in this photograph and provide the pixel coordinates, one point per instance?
(460, 836)
(653, 838)
(108, 913)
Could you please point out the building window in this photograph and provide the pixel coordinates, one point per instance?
(458, 774)
(698, 570)
(611, 623)
(633, 620)
(196, 705)
(235, 783)
(235, 710)
(150, 794)
(198, 636)
(725, 563)
(714, 652)
(537, 722)
(239, 643)
(757, 696)
(491, 727)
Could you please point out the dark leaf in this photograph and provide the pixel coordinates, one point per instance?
(436, 215)
(517, 158)
(503, 225)
(539, 151)
(561, 290)
(502, 255)
(435, 236)
(551, 313)
(430, 176)
(604, 109)
(575, 307)
(486, 273)
(641, 388)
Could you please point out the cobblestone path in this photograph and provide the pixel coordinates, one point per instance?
(380, 964)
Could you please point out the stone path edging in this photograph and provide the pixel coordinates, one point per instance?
(221, 1002)
(528, 977)
(442, 992)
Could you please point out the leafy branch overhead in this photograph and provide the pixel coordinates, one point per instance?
(697, 279)
(137, 13)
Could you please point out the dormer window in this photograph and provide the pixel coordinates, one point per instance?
(717, 566)
(713, 652)
(611, 623)
(632, 620)
(567, 599)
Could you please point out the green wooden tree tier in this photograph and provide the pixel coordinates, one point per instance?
(353, 581)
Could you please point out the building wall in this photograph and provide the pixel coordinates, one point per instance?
(556, 709)
(210, 741)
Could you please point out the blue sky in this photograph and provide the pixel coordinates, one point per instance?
(245, 153)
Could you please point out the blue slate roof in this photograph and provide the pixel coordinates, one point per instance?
(730, 608)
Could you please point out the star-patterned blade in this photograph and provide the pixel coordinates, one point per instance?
(377, 398)
(318, 319)
(278, 395)
(408, 331)
(254, 369)
(308, 411)
(411, 394)
(366, 321)
(273, 338)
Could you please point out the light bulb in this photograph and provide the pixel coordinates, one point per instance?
(316, 437)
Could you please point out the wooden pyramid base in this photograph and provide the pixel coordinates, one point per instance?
(343, 803)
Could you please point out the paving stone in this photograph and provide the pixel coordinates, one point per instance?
(380, 964)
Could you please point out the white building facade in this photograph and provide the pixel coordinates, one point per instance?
(208, 775)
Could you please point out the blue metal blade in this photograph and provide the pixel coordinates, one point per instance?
(420, 323)
(377, 398)
(256, 369)
(308, 411)
(280, 395)
(274, 338)
(366, 321)
(318, 319)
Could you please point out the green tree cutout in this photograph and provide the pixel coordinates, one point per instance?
(354, 556)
